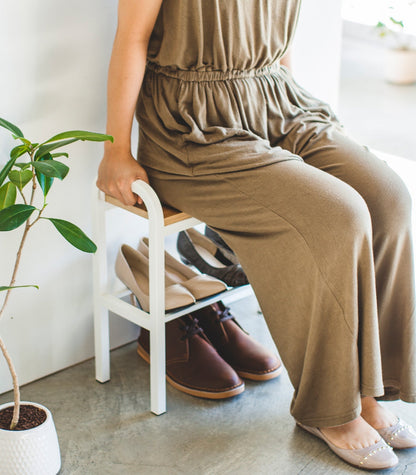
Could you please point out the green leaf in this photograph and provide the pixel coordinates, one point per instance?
(25, 141)
(52, 168)
(20, 177)
(397, 22)
(45, 149)
(7, 195)
(6, 169)
(9, 126)
(19, 151)
(45, 182)
(61, 154)
(2, 288)
(74, 235)
(22, 165)
(81, 135)
(15, 215)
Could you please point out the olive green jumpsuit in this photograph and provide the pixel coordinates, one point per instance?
(321, 226)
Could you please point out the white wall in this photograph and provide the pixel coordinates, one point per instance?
(54, 56)
(317, 47)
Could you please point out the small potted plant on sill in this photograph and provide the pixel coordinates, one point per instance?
(400, 59)
(28, 439)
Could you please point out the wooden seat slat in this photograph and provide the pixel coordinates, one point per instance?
(170, 215)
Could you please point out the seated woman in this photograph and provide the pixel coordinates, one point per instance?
(320, 225)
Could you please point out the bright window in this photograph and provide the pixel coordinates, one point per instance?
(370, 12)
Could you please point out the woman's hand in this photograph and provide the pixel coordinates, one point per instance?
(116, 173)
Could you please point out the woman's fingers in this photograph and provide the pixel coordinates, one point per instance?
(142, 176)
(128, 197)
(116, 175)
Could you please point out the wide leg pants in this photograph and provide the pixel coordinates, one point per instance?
(326, 244)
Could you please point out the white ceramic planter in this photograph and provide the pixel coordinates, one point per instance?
(30, 452)
(400, 66)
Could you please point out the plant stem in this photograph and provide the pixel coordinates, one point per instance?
(23, 196)
(16, 266)
(16, 391)
(19, 252)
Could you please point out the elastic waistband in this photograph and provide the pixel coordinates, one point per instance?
(198, 76)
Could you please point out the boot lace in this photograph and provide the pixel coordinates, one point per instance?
(225, 314)
(190, 328)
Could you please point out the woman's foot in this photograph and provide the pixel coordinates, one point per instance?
(356, 434)
(394, 431)
(361, 432)
(357, 444)
(375, 414)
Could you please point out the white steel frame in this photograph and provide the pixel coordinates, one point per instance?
(162, 222)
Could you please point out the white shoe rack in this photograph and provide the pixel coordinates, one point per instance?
(162, 221)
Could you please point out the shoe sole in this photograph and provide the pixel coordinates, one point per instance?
(194, 392)
(261, 376)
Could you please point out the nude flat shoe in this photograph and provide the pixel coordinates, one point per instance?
(375, 457)
(200, 285)
(132, 268)
(399, 435)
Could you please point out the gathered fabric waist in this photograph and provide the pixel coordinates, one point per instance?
(213, 75)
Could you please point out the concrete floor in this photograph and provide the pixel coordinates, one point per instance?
(108, 429)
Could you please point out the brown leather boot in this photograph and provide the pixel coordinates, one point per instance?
(192, 364)
(249, 358)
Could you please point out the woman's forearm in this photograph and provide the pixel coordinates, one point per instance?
(136, 19)
(125, 76)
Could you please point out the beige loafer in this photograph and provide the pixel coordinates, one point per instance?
(399, 435)
(200, 285)
(132, 268)
(375, 457)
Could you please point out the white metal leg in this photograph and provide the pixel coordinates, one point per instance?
(102, 345)
(157, 368)
(157, 297)
(101, 319)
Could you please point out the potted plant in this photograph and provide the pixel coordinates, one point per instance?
(400, 59)
(28, 440)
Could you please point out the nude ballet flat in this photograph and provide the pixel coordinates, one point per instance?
(375, 457)
(132, 268)
(200, 285)
(399, 435)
